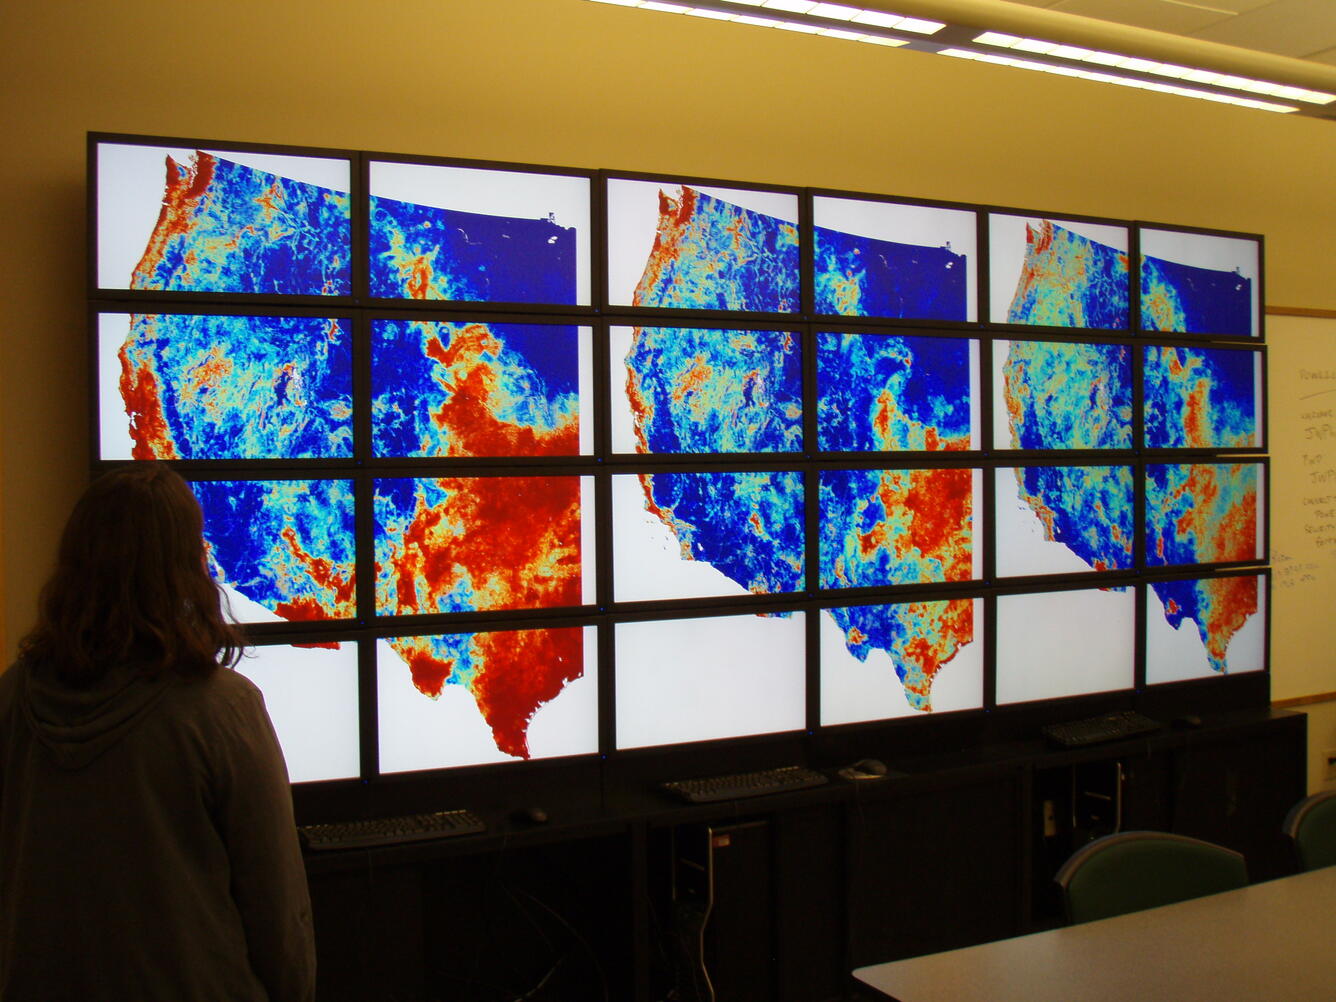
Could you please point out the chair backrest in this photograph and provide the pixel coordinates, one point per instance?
(1311, 823)
(1130, 871)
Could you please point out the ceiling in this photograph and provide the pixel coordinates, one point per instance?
(1300, 29)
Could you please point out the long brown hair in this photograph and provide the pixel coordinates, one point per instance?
(131, 584)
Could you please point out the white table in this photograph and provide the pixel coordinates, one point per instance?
(1270, 942)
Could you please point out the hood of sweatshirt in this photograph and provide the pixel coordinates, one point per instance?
(79, 724)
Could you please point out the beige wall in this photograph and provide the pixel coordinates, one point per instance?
(572, 83)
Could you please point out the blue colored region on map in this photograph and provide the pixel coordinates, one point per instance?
(285, 544)
(860, 276)
(474, 389)
(884, 392)
(224, 227)
(1186, 299)
(1069, 280)
(1068, 396)
(710, 254)
(423, 252)
(1203, 398)
(1089, 509)
(201, 386)
(747, 525)
(707, 391)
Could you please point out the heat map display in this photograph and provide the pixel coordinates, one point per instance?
(461, 544)
(888, 259)
(1202, 513)
(685, 535)
(1061, 395)
(282, 549)
(891, 527)
(463, 234)
(1064, 519)
(1056, 273)
(890, 392)
(1200, 627)
(1065, 643)
(688, 390)
(702, 679)
(1199, 283)
(215, 386)
(480, 389)
(700, 248)
(1202, 398)
(222, 222)
(457, 699)
(892, 660)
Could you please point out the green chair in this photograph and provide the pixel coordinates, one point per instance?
(1129, 871)
(1311, 824)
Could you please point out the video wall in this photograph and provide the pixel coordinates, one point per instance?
(502, 462)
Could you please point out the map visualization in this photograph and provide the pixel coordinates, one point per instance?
(1088, 509)
(225, 227)
(1066, 396)
(1191, 300)
(702, 391)
(510, 674)
(1068, 280)
(285, 545)
(1218, 608)
(1200, 398)
(710, 254)
(859, 276)
(920, 637)
(474, 389)
(1202, 513)
(424, 252)
(458, 544)
(749, 526)
(213, 386)
(890, 527)
(888, 392)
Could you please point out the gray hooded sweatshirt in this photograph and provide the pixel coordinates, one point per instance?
(147, 846)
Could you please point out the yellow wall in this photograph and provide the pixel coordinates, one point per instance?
(572, 83)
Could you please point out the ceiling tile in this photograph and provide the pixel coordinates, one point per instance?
(1288, 27)
(1156, 15)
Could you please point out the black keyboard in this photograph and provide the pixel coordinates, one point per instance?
(746, 784)
(1097, 730)
(390, 831)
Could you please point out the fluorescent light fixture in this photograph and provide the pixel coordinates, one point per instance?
(794, 6)
(834, 11)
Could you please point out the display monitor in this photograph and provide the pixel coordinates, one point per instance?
(445, 700)
(221, 221)
(884, 527)
(1062, 395)
(901, 659)
(896, 392)
(1064, 519)
(480, 389)
(282, 550)
(1203, 398)
(1200, 283)
(467, 544)
(465, 233)
(221, 386)
(311, 693)
(898, 260)
(1065, 643)
(690, 534)
(688, 246)
(1205, 627)
(707, 679)
(1051, 272)
(679, 390)
(1205, 513)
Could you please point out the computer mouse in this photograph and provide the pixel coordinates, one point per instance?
(531, 815)
(864, 768)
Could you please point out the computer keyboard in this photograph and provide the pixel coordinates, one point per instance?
(713, 789)
(390, 831)
(1097, 730)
